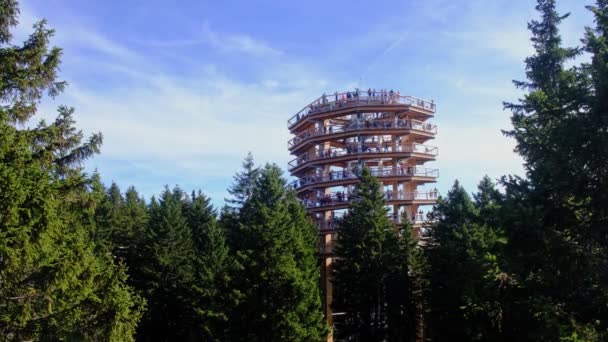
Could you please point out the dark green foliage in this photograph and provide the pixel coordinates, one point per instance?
(556, 231)
(244, 183)
(53, 282)
(278, 275)
(531, 264)
(371, 275)
(464, 267)
(241, 190)
(212, 294)
(168, 270)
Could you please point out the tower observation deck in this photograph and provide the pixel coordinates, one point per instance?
(337, 135)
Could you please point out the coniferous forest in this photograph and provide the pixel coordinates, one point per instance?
(519, 259)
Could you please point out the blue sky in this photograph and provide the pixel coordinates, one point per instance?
(182, 90)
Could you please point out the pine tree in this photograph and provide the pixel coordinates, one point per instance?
(593, 154)
(110, 222)
(487, 201)
(417, 267)
(278, 276)
(135, 215)
(465, 273)
(53, 283)
(167, 270)
(240, 190)
(550, 250)
(244, 182)
(370, 260)
(211, 293)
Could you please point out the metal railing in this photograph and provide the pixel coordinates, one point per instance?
(327, 103)
(361, 125)
(332, 225)
(362, 148)
(341, 198)
(402, 170)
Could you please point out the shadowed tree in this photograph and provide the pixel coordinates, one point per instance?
(53, 283)
(371, 275)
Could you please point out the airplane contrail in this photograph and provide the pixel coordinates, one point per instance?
(384, 52)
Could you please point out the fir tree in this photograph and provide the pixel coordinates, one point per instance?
(278, 276)
(550, 251)
(212, 295)
(135, 216)
(240, 190)
(593, 154)
(370, 274)
(244, 182)
(167, 270)
(464, 268)
(53, 283)
(110, 222)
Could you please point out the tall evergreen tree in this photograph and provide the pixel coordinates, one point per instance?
(135, 216)
(593, 154)
(244, 183)
(464, 267)
(110, 222)
(240, 190)
(278, 274)
(550, 250)
(370, 274)
(168, 270)
(212, 295)
(417, 267)
(53, 284)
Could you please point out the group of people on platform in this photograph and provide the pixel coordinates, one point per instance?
(332, 224)
(390, 195)
(374, 147)
(383, 96)
(340, 197)
(328, 199)
(402, 169)
(362, 124)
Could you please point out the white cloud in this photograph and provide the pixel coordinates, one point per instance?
(504, 40)
(166, 127)
(225, 42)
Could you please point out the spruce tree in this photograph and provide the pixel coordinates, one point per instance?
(53, 283)
(240, 190)
(244, 182)
(465, 273)
(551, 253)
(110, 222)
(135, 216)
(167, 270)
(593, 155)
(211, 294)
(277, 275)
(417, 267)
(370, 274)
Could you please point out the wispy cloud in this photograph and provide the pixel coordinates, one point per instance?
(504, 41)
(162, 127)
(175, 113)
(225, 42)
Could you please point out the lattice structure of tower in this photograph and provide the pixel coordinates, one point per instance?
(337, 135)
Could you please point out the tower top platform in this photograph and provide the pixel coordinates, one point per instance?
(340, 103)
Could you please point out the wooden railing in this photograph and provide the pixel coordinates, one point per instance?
(327, 103)
(332, 225)
(376, 172)
(340, 198)
(363, 125)
(361, 148)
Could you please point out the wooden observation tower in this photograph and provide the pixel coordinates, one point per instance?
(337, 135)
